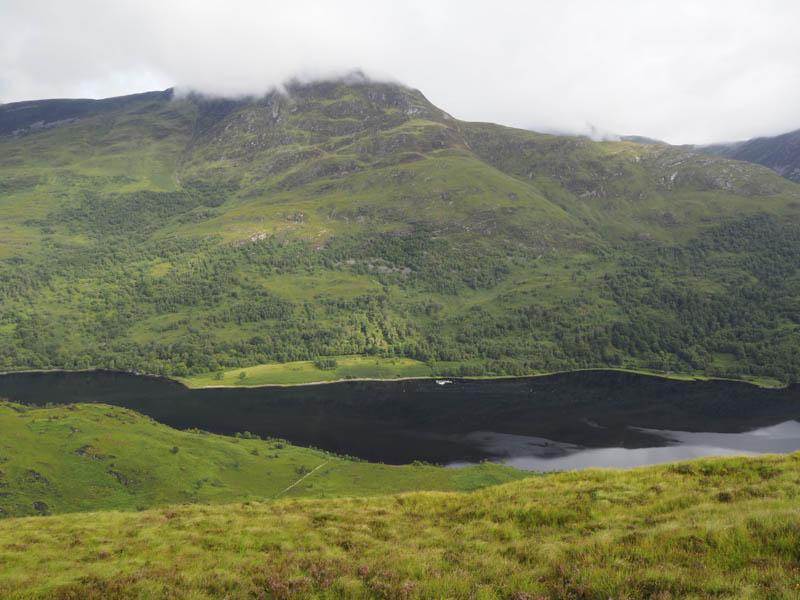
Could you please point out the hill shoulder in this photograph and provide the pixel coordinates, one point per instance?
(84, 457)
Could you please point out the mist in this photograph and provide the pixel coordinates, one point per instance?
(683, 71)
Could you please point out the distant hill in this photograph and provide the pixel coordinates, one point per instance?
(780, 153)
(22, 118)
(182, 234)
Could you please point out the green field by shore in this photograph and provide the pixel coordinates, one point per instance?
(362, 367)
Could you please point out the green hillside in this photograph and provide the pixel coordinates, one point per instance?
(187, 236)
(710, 528)
(84, 457)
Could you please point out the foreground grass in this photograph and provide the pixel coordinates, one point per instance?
(98, 457)
(724, 528)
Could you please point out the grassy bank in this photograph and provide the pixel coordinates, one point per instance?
(300, 372)
(98, 457)
(363, 367)
(721, 528)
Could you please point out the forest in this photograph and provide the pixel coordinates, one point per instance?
(213, 312)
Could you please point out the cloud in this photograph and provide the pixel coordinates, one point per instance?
(684, 71)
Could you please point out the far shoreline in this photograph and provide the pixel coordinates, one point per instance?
(185, 382)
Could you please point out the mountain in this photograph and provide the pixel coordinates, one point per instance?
(182, 234)
(780, 153)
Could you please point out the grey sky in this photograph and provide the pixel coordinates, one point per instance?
(683, 71)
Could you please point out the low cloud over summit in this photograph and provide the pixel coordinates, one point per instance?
(683, 72)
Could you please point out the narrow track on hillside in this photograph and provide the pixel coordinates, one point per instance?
(311, 472)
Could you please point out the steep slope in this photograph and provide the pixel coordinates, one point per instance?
(780, 153)
(712, 528)
(97, 457)
(185, 235)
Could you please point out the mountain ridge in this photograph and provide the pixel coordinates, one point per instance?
(781, 153)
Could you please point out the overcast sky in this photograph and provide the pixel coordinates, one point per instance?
(683, 71)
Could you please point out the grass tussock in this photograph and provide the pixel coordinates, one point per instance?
(722, 528)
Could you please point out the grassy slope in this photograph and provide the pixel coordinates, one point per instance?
(97, 457)
(299, 372)
(708, 528)
(385, 228)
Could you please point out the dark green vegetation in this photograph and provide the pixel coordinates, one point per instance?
(189, 235)
(96, 457)
(711, 528)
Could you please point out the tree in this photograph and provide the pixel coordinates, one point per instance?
(326, 364)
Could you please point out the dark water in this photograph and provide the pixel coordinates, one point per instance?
(571, 420)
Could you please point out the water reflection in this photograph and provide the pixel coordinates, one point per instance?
(538, 454)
